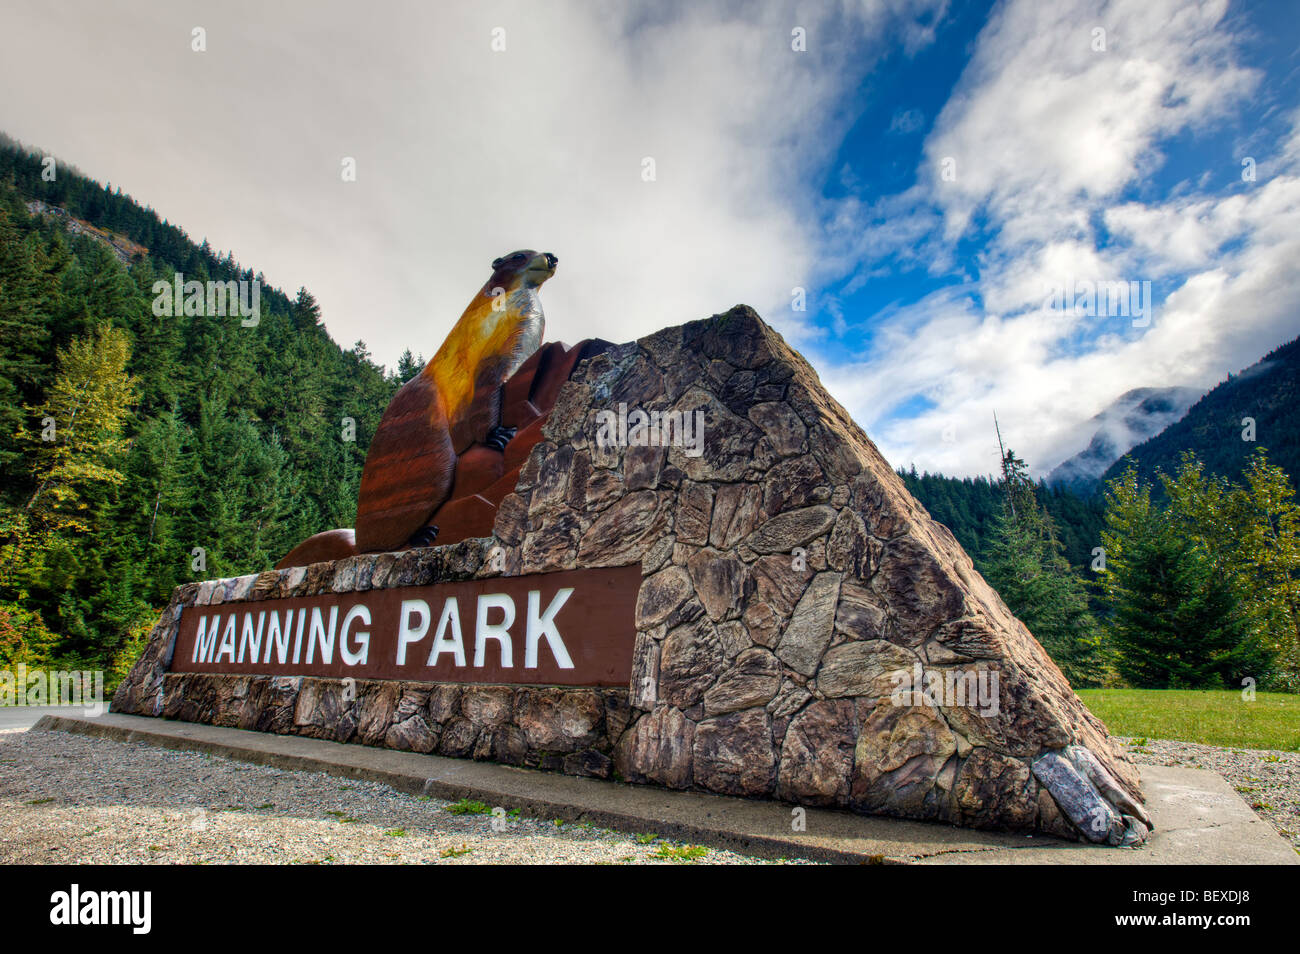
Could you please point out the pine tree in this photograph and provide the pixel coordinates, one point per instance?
(1178, 617)
(408, 366)
(306, 311)
(1024, 563)
(1175, 624)
(29, 298)
(1250, 531)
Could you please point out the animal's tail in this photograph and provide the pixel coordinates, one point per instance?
(326, 546)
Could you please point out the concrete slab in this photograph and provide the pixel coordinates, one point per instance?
(24, 717)
(1199, 818)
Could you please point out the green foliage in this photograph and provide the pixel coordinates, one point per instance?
(408, 366)
(171, 433)
(680, 854)
(1202, 588)
(970, 508)
(1025, 564)
(1250, 531)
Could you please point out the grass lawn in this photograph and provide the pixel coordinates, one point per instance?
(1211, 717)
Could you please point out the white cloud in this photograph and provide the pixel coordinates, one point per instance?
(1049, 137)
(464, 153)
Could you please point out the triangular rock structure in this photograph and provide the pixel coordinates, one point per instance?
(755, 677)
(805, 630)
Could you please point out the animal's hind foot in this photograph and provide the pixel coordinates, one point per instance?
(424, 537)
(499, 437)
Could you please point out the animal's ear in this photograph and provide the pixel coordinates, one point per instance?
(496, 262)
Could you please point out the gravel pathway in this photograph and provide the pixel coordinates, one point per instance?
(1268, 781)
(70, 799)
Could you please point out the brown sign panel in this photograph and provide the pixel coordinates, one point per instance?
(572, 628)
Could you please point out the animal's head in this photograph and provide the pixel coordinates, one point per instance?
(523, 267)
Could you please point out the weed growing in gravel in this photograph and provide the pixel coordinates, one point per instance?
(396, 833)
(468, 806)
(342, 817)
(646, 838)
(456, 852)
(681, 854)
(40, 801)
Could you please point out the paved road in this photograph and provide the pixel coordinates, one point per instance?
(24, 717)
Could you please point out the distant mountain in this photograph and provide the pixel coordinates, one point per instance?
(1267, 393)
(1135, 416)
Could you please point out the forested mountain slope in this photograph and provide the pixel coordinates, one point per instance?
(235, 441)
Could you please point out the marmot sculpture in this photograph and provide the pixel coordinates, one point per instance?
(453, 404)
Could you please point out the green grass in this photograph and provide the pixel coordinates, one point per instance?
(1211, 717)
(680, 854)
(468, 806)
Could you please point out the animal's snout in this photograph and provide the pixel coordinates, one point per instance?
(551, 259)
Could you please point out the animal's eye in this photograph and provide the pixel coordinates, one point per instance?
(518, 257)
(496, 262)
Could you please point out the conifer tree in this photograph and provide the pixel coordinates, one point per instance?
(1177, 618)
(1024, 563)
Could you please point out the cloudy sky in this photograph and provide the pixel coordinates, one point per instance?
(928, 172)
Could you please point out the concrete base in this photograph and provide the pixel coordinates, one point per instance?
(1199, 818)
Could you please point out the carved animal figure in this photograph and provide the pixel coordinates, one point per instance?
(453, 406)
(453, 403)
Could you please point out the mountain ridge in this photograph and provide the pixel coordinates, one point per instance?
(1133, 417)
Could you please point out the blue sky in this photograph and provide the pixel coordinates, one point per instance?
(775, 168)
(1160, 201)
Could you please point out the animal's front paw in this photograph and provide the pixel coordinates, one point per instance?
(424, 537)
(499, 437)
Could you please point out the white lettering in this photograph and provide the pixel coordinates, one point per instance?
(409, 632)
(483, 630)
(544, 625)
(358, 612)
(455, 643)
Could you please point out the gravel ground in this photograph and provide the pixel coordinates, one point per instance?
(69, 799)
(1268, 781)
